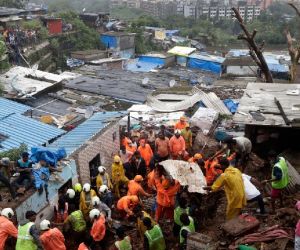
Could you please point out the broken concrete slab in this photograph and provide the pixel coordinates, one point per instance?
(188, 174)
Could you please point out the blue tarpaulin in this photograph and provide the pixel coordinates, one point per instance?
(145, 64)
(205, 62)
(109, 42)
(231, 105)
(170, 33)
(50, 156)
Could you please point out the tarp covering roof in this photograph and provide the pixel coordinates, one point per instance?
(16, 128)
(188, 174)
(182, 51)
(85, 131)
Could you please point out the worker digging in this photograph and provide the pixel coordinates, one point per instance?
(140, 201)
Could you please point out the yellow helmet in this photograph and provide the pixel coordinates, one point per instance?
(78, 187)
(117, 159)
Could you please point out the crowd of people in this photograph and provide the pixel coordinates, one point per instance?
(86, 213)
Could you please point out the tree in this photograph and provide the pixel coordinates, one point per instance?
(13, 3)
(256, 52)
(294, 51)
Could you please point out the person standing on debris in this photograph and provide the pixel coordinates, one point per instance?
(86, 196)
(136, 166)
(7, 228)
(165, 199)
(177, 146)
(106, 196)
(140, 214)
(188, 226)
(75, 224)
(232, 182)
(181, 124)
(127, 203)
(280, 178)
(24, 167)
(28, 235)
(70, 197)
(162, 146)
(252, 193)
(188, 137)
(153, 238)
(212, 170)
(77, 189)
(165, 131)
(101, 206)
(103, 178)
(179, 210)
(51, 238)
(98, 229)
(145, 151)
(135, 187)
(61, 209)
(242, 146)
(5, 164)
(123, 242)
(118, 175)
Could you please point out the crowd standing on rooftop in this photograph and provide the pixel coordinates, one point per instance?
(86, 212)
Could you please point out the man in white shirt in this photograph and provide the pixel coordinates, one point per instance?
(252, 193)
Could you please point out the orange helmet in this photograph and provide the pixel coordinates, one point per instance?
(198, 156)
(138, 178)
(134, 199)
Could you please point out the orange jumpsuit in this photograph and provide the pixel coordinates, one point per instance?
(98, 229)
(125, 204)
(135, 188)
(82, 246)
(177, 146)
(146, 153)
(53, 239)
(7, 228)
(165, 200)
(211, 171)
(151, 180)
(179, 125)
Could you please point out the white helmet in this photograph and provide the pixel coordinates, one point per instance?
(101, 169)
(71, 193)
(103, 189)
(44, 225)
(86, 187)
(7, 212)
(94, 213)
(95, 201)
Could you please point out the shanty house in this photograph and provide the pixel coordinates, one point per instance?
(53, 24)
(239, 66)
(121, 44)
(181, 54)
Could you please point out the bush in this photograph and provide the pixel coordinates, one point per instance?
(15, 153)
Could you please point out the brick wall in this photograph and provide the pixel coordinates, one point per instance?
(102, 144)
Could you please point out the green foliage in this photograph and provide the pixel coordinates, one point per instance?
(77, 5)
(31, 25)
(15, 153)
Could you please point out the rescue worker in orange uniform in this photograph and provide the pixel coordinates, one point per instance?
(7, 228)
(181, 124)
(195, 158)
(98, 229)
(135, 188)
(212, 171)
(127, 203)
(177, 145)
(145, 151)
(51, 238)
(166, 193)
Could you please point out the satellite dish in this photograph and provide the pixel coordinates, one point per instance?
(145, 81)
(172, 83)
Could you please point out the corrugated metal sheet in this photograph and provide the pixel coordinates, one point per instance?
(8, 107)
(85, 131)
(21, 129)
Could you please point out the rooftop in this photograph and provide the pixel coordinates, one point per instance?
(113, 33)
(260, 98)
(239, 61)
(9, 11)
(15, 128)
(85, 131)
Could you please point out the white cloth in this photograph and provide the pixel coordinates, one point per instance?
(243, 144)
(250, 190)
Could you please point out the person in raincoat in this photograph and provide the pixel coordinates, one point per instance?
(118, 175)
(232, 181)
(86, 196)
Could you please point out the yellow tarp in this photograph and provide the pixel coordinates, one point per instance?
(181, 51)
